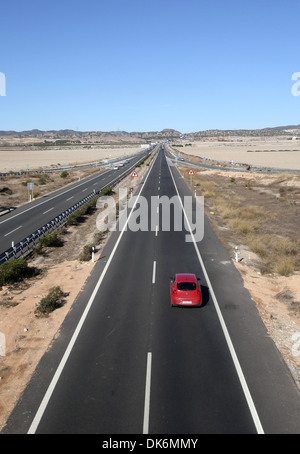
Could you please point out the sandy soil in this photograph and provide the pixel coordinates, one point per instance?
(273, 153)
(274, 297)
(28, 337)
(29, 159)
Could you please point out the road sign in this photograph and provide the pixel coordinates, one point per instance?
(191, 172)
(30, 187)
(134, 174)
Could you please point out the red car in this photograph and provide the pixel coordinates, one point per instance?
(185, 290)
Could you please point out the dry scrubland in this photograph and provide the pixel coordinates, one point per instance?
(14, 192)
(262, 211)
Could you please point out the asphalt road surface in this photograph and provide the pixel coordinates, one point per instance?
(126, 362)
(25, 220)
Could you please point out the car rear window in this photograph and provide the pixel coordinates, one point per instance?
(186, 286)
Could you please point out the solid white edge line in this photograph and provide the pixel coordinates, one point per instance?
(147, 394)
(237, 365)
(39, 414)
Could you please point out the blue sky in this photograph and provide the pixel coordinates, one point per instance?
(148, 65)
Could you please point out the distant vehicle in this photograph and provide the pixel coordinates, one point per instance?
(184, 290)
(121, 164)
(116, 167)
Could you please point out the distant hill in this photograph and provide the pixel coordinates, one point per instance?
(69, 136)
(287, 127)
(265, 132)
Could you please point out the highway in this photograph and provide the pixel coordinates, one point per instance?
(126, 362)
(26, 219)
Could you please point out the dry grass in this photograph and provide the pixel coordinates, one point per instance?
(278, 253)
(253, 223)
(43, 184)
(243, 218)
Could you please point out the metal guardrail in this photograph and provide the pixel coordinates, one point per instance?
(22, 248)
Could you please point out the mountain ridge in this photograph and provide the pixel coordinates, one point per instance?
(71, 135)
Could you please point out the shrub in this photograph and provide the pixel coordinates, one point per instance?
(285, 266)
(253, 212)
(227, 208)
(77, 217)
(242, 226)
(6, 191)
(258, 245)
(278, 253)
(98, 237)
(107, 191)
(43, 179)
(142, 161)
(50, 302)
(51, 239)
(15, 270)
(86, 253)
(209, 189)
(73, 219)
(64, 174)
